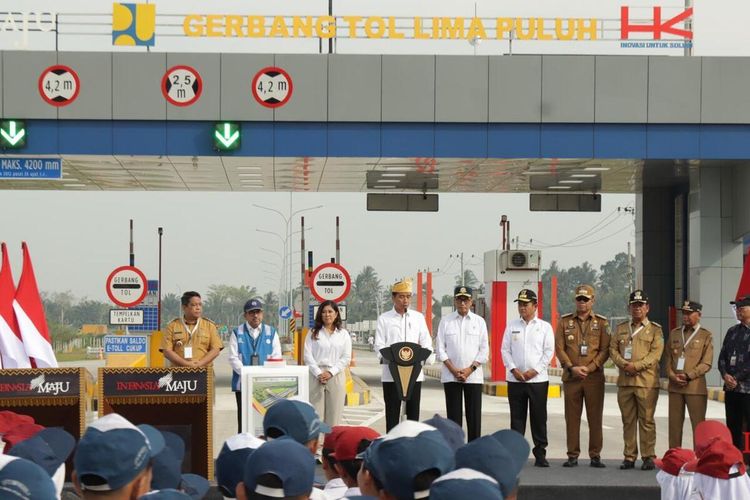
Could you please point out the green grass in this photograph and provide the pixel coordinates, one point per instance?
(71, 356)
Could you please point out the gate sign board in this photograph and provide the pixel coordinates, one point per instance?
(125, 344)
(330, 282)
(181, 85)
(30, 168)
(272, 87)
(126, 286)
(126, 316)
(59, 85)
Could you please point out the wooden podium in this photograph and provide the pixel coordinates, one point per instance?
(53, 397)
(175, 399)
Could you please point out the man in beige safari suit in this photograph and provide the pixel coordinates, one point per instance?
(689, 353)
(582, 346)
(636, 349)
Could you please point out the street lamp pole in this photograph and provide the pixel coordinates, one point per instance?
(287, 241)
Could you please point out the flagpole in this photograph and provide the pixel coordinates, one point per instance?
(132, 252)
(158, 306)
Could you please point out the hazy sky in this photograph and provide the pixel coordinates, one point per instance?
(77, 238)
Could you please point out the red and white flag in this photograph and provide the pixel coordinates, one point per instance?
(743, 290)
(30, 315)
(12, 352)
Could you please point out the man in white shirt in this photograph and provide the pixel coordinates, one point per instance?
(463, 346)
(528, 346)
(251, 344)
(400, 324)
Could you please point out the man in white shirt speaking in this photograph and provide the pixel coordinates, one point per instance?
(400, 324)
(463, 346)
(528, 346)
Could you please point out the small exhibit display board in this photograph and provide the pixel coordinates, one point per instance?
(53, 397)
(175, 399)
(262, 386)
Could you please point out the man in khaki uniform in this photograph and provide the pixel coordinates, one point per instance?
(689, 353)
(191, 340)
(636, 349)
(582, 346)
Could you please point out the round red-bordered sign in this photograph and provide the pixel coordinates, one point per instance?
(127, 286)
(59, 85)
(272, 87)
(181, 85)
(330, 282)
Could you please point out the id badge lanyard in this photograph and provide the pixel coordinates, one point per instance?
(629, 348)
(254, 359)
(584, 347)
(685, 343)
(188, 349)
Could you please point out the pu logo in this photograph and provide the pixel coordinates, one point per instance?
(133, 24)
(658, 27)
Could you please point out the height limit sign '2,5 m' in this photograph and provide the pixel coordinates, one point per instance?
(181, 85)
(272, 87)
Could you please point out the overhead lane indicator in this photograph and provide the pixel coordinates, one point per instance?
(330, 282)
(272, 87)
(182, 85)
(127, 286)
(226, 136)
(12, 134)
(59, 85)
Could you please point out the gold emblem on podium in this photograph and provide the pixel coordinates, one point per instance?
(405, 354)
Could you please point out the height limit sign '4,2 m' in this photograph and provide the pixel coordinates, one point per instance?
(272, 87)
(59, 85)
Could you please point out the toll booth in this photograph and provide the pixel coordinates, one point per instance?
(175, 399)
(506, 272)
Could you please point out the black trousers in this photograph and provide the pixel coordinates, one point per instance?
(472, 400)
(737, 408)
(531, 397)
(238, 396)
(393, 404)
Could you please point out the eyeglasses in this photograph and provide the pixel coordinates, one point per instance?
(582, 299)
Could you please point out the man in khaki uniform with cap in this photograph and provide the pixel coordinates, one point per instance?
(191, 340)
(689, 353)
(582, 346)
(636, 349)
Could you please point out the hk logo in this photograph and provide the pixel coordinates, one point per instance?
(53, 388)
(657, 27)
(133, 24)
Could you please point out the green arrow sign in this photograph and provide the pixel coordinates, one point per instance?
(12, 134)
(226, 136)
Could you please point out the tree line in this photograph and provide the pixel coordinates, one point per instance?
(368, 297)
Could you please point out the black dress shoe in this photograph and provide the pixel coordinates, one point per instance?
(541, 462)
(627, 464)
(597, 463)
(571, 462)
(648, 464)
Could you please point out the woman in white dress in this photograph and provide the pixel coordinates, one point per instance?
(328, 351)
